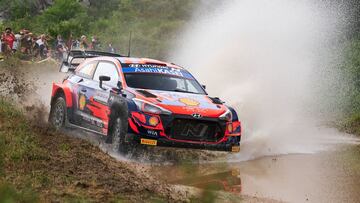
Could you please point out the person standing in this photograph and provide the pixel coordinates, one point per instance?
(84, 45)
(8, 39)
(111, 49)
(41, 47)
(17, 42)
(95, 44)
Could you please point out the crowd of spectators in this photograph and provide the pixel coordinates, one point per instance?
(37, 46)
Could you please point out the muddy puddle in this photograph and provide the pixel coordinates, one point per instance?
(332, 176)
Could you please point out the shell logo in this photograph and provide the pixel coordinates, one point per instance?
(189, 102)
(82, 102)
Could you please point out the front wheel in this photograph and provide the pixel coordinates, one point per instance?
(118, 134)
(58, 113)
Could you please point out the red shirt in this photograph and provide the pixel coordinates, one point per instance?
(9, 39)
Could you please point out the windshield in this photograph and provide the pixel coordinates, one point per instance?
(162, 78)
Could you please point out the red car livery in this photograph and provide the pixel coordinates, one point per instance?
(146, 101)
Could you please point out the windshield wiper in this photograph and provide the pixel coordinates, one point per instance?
(180, 90)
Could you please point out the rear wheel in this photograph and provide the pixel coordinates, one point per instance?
(58, 113)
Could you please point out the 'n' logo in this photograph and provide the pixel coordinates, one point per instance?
(198, 130)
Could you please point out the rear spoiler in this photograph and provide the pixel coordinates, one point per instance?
(75, 57)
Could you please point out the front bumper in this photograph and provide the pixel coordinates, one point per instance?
(185, 132)
(230, 146)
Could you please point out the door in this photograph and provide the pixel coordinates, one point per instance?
(83, 91)
(98, 102)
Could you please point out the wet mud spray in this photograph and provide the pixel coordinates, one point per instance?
(272, 61)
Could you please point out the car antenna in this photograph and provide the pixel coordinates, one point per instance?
(130, 44)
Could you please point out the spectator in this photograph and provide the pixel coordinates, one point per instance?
(17, 42)
(84, 45)
(0, 45)
(8, 39)
(75, 45)
(69, 42)
(41, 47)
(111, 49)
(26, 42)
(60, 48)
(95, 44)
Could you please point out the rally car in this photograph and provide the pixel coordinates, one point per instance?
(143, 101)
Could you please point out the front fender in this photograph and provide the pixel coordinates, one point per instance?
(118, 108)
(64, 89)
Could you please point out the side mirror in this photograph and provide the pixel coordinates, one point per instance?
(204, 87)
(103, 78)
(118, 89)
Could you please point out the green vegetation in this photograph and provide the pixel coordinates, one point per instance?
(9, 195)
(351, 69)
(154, 24)
(17, 146)
(38, 165)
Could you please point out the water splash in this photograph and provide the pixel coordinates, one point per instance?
(268, 59)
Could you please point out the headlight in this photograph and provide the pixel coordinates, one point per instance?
(226, 116)
(147, 107)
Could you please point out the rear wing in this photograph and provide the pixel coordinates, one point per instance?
(75, 57)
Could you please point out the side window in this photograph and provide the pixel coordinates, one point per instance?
(107, 69)
(87, 71)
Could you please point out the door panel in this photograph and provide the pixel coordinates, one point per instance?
(92, 101)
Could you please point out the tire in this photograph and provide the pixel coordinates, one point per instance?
(57, 116)
(118, 134)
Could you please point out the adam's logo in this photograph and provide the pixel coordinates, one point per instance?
(197, 130)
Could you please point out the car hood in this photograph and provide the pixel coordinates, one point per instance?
(183, 103)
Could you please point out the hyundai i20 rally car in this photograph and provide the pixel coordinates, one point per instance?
(145, 101)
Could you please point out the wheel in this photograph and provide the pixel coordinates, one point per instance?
(118, 134)
(58, 113)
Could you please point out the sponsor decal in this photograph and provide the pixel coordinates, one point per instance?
(189, 102)
(152, 132)
(235, 149)
(198, 130)
(92, 120)
(148, 142)
(197, 115)
(82, 102)
(154, 68)
(101, 98)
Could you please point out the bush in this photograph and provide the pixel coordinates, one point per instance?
(154, 24)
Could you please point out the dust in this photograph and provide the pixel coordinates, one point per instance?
(28, 86)
(276, 63)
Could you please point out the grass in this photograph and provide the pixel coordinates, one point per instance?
(10, 195)
(352, 124)
(17, 145)
(38, 165)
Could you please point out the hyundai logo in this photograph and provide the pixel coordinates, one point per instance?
(197, 116)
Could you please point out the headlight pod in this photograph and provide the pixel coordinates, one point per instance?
(147, 107)
(226, 116)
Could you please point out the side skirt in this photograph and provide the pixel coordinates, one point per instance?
(69, 125)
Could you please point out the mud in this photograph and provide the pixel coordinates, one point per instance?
(332, 176)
